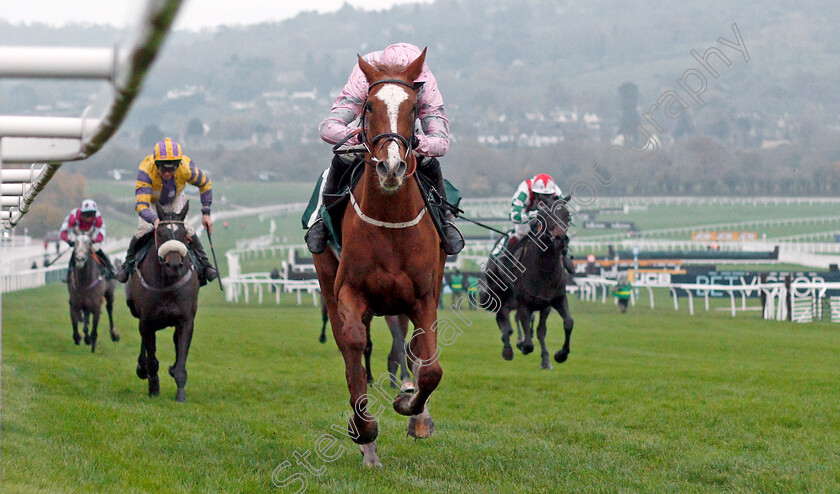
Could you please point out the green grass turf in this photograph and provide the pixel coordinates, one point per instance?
(652, 401)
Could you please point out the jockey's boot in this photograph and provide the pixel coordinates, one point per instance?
(127, 267)
(206, 271)
(105, 266)
(317, 235)
(453, 241)
(514, 249)
(568, 263)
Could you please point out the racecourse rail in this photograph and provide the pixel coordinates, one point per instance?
(44, 143)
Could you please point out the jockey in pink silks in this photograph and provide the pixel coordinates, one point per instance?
(431, 139)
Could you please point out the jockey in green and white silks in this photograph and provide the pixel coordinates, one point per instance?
(526, 199)
(523, 208)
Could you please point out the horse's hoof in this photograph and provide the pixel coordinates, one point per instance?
(154, 386)
(420, 427)
(369, 457)
(322, 339)
(181, 396)
(527, 348)
(561, 356)
(87, 340)
(546, 365)
(142, 373)
(507, 353)
(77, 339)
(115, 337)
(402, 404)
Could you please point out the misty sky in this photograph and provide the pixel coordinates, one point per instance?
(194, 14)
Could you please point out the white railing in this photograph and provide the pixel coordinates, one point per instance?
(241, 286)
(806, 297)
(53, 140)
(32, 278)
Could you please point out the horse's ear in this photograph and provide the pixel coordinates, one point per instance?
(368, 70)
(184, 211)
(412, 72)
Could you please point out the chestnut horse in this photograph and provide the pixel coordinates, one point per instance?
(88, 289)
(164, 292)
(391, 258)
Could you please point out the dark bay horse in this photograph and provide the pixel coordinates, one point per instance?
(391, 259)
(536, 282)
(88, 289)
(163, 292)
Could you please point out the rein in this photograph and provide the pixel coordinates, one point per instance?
(93, 283)
(178, 284)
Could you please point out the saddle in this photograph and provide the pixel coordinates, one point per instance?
(332, 211)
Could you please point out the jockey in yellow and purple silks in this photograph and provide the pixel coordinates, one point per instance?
(161, 179)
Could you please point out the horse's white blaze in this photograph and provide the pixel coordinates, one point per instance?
(392, 95)
(81, 248)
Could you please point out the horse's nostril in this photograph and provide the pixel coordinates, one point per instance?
(382, 168)
(401, 166)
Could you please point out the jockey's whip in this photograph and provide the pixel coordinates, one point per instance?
(215, 263)
(49, 263)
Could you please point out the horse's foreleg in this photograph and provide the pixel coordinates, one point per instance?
(94, 328)
(109, 306)
(352, 339)
(142, 362)
(152, 365)
(398, 325)
(503, 321)
(545, 361)
(85, 322)
(75, 319)
(523, 317)
(182, 338)
(324, 318)
(367, 352)
(562, 307)
(423, 355)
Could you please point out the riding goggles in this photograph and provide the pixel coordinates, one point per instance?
(168, 165)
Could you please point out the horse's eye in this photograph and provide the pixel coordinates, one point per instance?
(368, 107)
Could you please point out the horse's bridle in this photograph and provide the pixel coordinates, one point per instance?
(178, 222)
(183, 280)
(387, 136)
